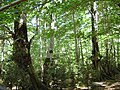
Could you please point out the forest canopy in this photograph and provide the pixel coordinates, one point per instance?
(59, 44)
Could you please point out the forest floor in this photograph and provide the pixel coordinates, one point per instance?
(107, 85)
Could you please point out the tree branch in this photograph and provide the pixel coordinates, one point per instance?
(41, 4)
(35, 32)
(37, 21)
(11, 4)
(2, 37)
(7, 28)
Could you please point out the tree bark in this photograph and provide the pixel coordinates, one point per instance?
(95, 48)
(21, 51)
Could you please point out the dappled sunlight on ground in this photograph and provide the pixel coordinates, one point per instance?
(106, 85)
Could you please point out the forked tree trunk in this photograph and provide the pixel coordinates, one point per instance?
(21, 52)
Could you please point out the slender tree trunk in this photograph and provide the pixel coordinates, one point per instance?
(95, 48)
(2, 55)
(118, 48)
(82, 51)
(114, 51)
(2, 51)
(41, 47)
(107, 54)
(48, 60)
(76, 41)
(111, 48)
(107, 34)
(107, 63)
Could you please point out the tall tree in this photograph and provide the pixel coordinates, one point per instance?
(49, 57)
(76, 40)
(95, 47)
(21, 50)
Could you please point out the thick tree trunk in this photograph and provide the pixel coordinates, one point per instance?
(21, 52)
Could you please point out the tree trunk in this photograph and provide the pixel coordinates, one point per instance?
(76, 41)
(118, 47)
(95, 48)
(21, 51)
(48, 60)
(81, 50)
(2, 55)
(106, 28)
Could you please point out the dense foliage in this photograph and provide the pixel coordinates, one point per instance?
(72, 43)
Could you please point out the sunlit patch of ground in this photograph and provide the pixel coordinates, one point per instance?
(106, 85)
